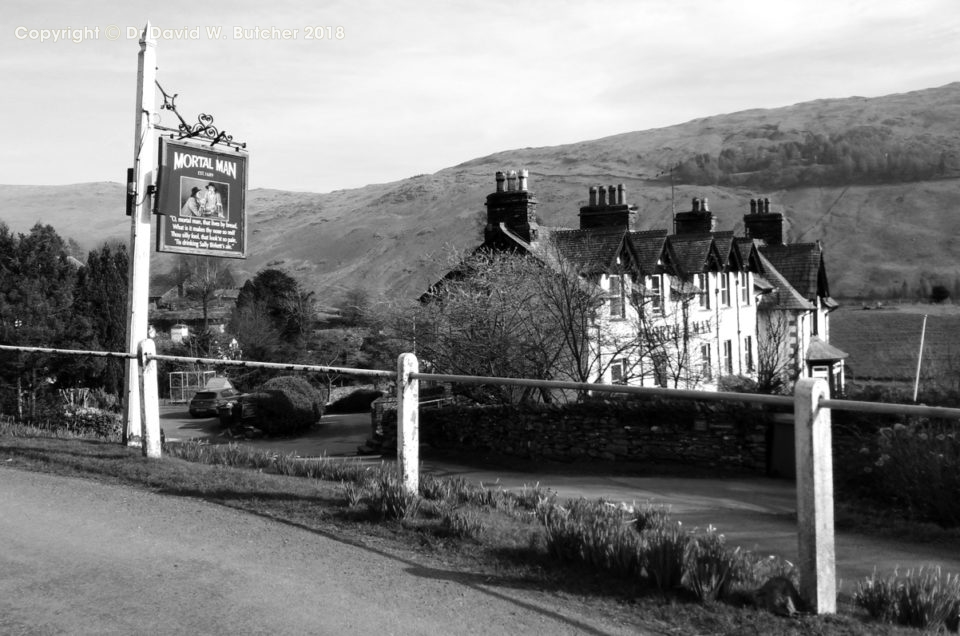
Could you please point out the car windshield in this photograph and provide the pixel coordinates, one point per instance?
(205, 395)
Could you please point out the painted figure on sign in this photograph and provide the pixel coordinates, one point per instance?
(193, 205)
(212, 205)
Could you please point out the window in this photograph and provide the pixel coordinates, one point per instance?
(724, 280)
(748, 353)
(744, 280)
(655, 290)
(618, 372)
(706, 369)
(616, 297)
(703, 290)
(726, 361)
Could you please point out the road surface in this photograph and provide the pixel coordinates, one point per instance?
(82, 557)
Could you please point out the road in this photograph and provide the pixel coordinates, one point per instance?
(754, 513)
(83, 557)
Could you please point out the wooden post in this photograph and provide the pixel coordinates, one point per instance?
(818, 567)
(138, 289)
(150, 413)
(408, 422)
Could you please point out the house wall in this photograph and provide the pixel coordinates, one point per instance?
(712, 325)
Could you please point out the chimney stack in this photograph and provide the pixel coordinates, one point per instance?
(607, 207)
(699, 220)
(513, 207)
(762, 224)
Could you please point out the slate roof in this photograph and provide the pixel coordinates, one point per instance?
(648, 246)
(724, 243)
(591, 251)
(801, 264)
(690, 253)
(784, 295)
(819, 351)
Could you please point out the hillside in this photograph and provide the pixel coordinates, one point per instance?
(876, 180)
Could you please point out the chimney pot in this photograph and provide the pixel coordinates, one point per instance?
(621, 194)
(593, 196)
(696, 205)
(706, 205)
(753, 206)
(500, 179)
(523, 180)
(603, 196)
(612, 195)
(766, 206)
(512, 181)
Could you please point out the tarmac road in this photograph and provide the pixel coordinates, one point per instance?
(82, 557)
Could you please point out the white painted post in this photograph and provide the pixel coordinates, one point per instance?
(138, 289)
(818, 567)
(408, 422)
(150, 413)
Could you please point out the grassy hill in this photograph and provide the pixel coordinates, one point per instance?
(876, 180)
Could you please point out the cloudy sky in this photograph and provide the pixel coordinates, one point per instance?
(414, 87)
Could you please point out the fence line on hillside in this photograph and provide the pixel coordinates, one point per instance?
(811, 408)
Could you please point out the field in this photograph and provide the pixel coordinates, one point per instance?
(883, 342)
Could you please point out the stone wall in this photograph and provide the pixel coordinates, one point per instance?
(729, 435)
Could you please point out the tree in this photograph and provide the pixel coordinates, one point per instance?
(939, 294)
(99, 318)
(36, 297)
(774, 366)
(272, 308)
(203, 278)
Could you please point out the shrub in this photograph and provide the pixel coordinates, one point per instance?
(665, 550)
(462, 524)
(287, 405)
(912, 465)
(391, 500)
(926, 599)
(710, 566)
(358, 401)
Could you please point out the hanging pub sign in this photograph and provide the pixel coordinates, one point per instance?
(201, 193)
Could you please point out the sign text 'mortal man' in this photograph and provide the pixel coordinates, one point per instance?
(185, 160)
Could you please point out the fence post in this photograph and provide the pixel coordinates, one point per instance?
(818, 568)
(149, 399)
(408, 422)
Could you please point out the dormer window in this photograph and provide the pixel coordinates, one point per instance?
(655, 293)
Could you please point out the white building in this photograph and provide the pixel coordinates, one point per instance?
(688, 308)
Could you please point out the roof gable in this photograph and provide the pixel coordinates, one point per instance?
(693, 253)
(801, 264)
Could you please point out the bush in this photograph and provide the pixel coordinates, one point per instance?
(925, 599)
(711, 566)
(358, 401)
(287, 405)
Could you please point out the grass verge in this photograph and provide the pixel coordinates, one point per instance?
(472, 532)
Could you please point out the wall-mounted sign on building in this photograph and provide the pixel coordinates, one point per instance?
(201, 195)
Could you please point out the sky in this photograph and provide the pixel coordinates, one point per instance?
(369, 91)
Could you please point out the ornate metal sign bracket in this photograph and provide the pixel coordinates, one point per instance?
(203, 129)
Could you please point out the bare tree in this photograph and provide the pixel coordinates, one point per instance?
(203, 277)
(774, 365)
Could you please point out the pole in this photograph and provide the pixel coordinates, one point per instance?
(408, 423)
(150, 402)
(815, 536)
(916, 383)
(139, 272)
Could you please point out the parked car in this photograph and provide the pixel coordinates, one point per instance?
(241, 406)
(207, 402)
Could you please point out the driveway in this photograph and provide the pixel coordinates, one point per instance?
(754, 513)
